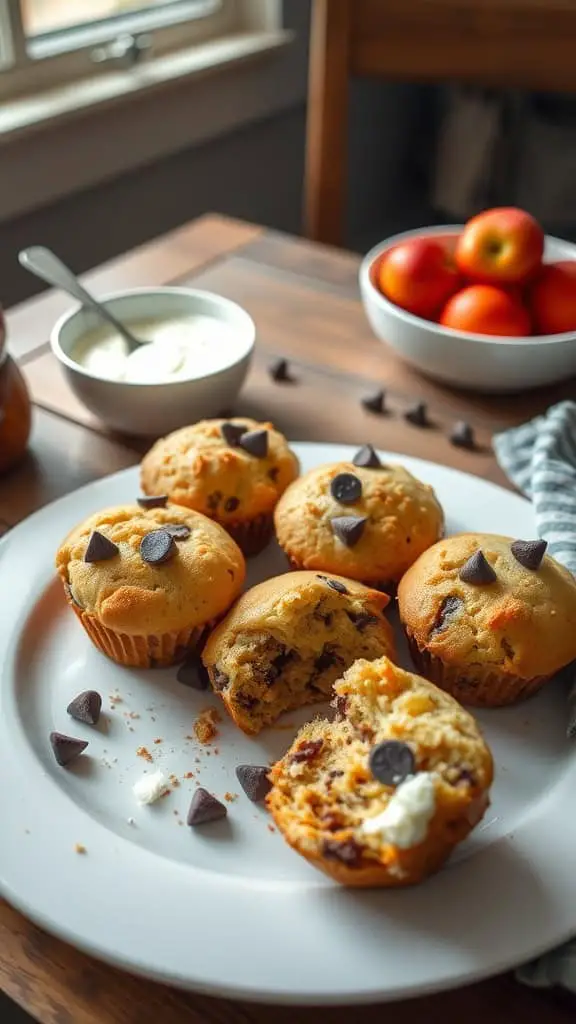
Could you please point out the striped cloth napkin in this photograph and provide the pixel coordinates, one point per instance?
(540, 459)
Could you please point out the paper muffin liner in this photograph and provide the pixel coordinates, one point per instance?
(251, 535)
(154, 651)
(481, 687)
(384, 586)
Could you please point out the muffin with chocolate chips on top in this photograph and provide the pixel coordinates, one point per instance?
(382, 795)
(286, 640)
(233, 471)
(147, 581)
(488, 618)
(362, 519)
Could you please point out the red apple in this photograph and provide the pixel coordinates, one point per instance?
(418, 275)
(552, 298)
(484, 309)
(500, 246)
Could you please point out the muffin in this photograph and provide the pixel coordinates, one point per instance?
(383, 794)
(233, 471)
(147, 583)
(487, 618)
(362, 519)
(286, 640)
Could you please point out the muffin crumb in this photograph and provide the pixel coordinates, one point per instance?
(205, 726)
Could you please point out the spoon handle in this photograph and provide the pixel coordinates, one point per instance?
(49, 268)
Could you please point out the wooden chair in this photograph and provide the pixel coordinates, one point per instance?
(509, 43)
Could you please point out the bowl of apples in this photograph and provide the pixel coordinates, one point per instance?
(488, 306)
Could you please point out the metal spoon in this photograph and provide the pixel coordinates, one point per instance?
(49, 268)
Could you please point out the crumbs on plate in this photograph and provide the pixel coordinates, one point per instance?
(205, 726)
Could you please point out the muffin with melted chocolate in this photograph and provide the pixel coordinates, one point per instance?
(147, 583)
(489, 618)
(383, 794)
(286, 640)
(233, 471)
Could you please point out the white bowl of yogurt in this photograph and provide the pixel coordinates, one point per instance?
(196, 351)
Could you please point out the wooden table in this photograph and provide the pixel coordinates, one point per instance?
(304, 299)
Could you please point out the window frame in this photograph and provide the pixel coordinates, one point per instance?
(59, 58)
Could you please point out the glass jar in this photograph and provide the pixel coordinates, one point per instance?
(15, 407)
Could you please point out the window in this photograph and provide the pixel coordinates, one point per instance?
(44, 43)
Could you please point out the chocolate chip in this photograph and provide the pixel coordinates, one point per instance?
(219, 680)
(279, 371)
(255, 442)
(376, 402)
(100, 548)
(529, 553)
(254, 781)
(152, 501)
(157, 547)
(231, 504)
(346, 488)
(449, 608)
(507, 647)
(466, 776)
(244, 700)
(273, 473)
(477, 570)
(192, 673)
(232, 433)
(71, 595)
(462, 436)
(417, 415)
(177, 530)
(361, 619)
(367, 458)
(334, 584)
(278, 664)
(391, 762)
(328, 658)
(213, 500)
(348, 529)
(341, 705)
(66, 748)
(348, 852)
(205, 808)
(307, 751)
(86, 707)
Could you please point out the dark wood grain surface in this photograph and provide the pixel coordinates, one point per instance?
(304, 300)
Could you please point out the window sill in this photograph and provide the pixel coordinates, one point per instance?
(88, 132)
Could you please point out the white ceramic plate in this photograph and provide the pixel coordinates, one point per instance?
(230, 910)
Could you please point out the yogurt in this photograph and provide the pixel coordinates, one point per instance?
(174, 348)
(404, 821)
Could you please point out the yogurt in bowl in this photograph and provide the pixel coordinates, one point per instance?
(195, 353)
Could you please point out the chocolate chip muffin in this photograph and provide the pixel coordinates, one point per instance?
(488, 618)
(233, 471)
(148, 582)
(362, 519)
(286, 640)
(383, 794)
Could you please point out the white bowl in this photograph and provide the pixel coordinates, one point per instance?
(478, 362)
(152, 409)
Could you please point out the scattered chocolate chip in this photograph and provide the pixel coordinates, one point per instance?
(152, 501)
(462, 436)
(367, 458)
(255, 442)
(335, 773)
(66, 748)
(71, 595)
(477, 570)
(376, 402)
(328, 658)
(254, 781)
(529, 553)
(348, 529)
(273, 473)
(341, 705)
(232, 433)
(346, 488)
(244, 700)
(278, 664)
(361, 619)
(219, 680)
(391, 762)
(279, 371)
(157, 547)
(205, 808)
(231, 504)
(307, 751)
(213, 500)
(467, 777)
(177, 530)
(348, 852)
(449, 608)
(100, 548)
(192, 673)
(417, 415)
(334, 584)
(86, 707)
